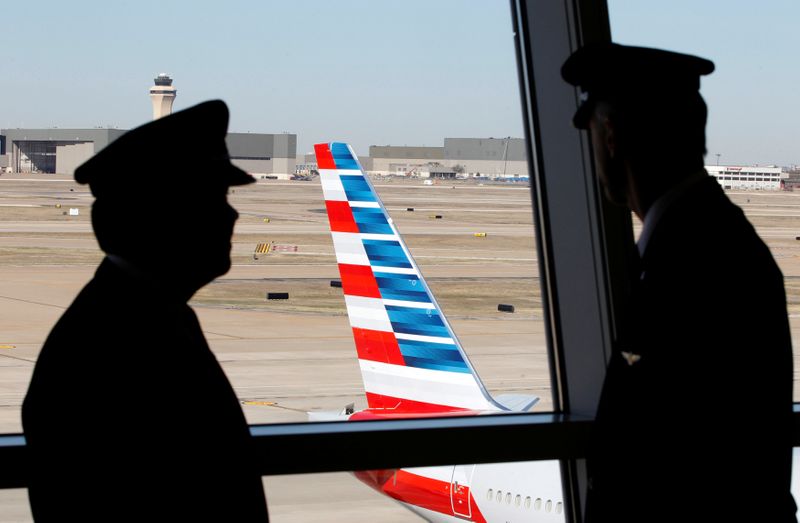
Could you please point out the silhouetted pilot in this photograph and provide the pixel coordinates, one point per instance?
(129, 416)
(694, 422)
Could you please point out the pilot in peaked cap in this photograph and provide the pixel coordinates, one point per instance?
(184, 152)
(631, 76)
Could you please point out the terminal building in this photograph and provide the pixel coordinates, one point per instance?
(744, 178)
(62, 150)
(461, 157)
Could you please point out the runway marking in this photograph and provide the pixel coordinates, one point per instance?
(8, 346)
(272, 404)
(228, 335)
(17, 358)
(33, 302)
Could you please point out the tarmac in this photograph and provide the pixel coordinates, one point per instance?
(290, 357)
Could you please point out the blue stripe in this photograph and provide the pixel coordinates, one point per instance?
(368, 215)
(437, 356)
(384, 248)
(371, 220)
(425, 364)
(393, 294)
(357, 189)
(413, 315)
(375, 228)
(383, 261)
(342, 157)
(423, 322)
(386, 254)
(420, 330)
(401, 287)
(432, 351)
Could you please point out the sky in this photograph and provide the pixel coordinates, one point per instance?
(410, 72)
(754, 108)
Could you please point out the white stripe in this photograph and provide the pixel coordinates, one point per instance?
(429, 339)
(349, 248)
(374, 205)
(340, 172)
(453, 389)
(332, 187)
(348, 258)
(394, 270)
(385, 237)
(409, 304)
(367, 313)
(444, 474)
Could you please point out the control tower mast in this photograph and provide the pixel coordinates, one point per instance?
(162, 94)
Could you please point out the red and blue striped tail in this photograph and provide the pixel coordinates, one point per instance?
(411, 361)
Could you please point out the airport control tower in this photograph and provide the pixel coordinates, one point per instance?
(162, 94)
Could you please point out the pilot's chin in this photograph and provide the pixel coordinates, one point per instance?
(616, 197)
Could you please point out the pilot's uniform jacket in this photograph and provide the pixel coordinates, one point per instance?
(701, 384)
(126, 382)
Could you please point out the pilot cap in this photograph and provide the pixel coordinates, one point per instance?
(631, 75)
(183, 153)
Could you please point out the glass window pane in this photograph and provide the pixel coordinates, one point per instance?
(448, 163)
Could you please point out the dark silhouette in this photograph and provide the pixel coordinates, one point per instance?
(694, 422)
(129, 416)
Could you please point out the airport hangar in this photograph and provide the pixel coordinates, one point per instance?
(62, 150)
(484, 157)
(460, 157)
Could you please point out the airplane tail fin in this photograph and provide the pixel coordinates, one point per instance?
(411, 361)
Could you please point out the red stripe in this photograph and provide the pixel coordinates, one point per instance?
(420, 491)
(396, 406)
(358, 280)
(377, 346)
(324, 156)
(340, 216)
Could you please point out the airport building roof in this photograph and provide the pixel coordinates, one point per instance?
(414, 152)
(511, 149)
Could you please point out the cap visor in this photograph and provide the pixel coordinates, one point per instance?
(582, 116)
(239, 177)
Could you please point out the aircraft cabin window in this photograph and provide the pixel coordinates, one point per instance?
(489, 494)
(517, 500)
(508, 498)
(528, 502)
(499, 496)
(548, 506)
(538, 504)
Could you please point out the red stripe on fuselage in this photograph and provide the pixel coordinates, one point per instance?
(391, 406)
(340, 216)
(358, 280)
(377, 346)
(420, 491)
(324, 156)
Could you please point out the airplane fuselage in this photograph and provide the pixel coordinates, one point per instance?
(504, 492)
